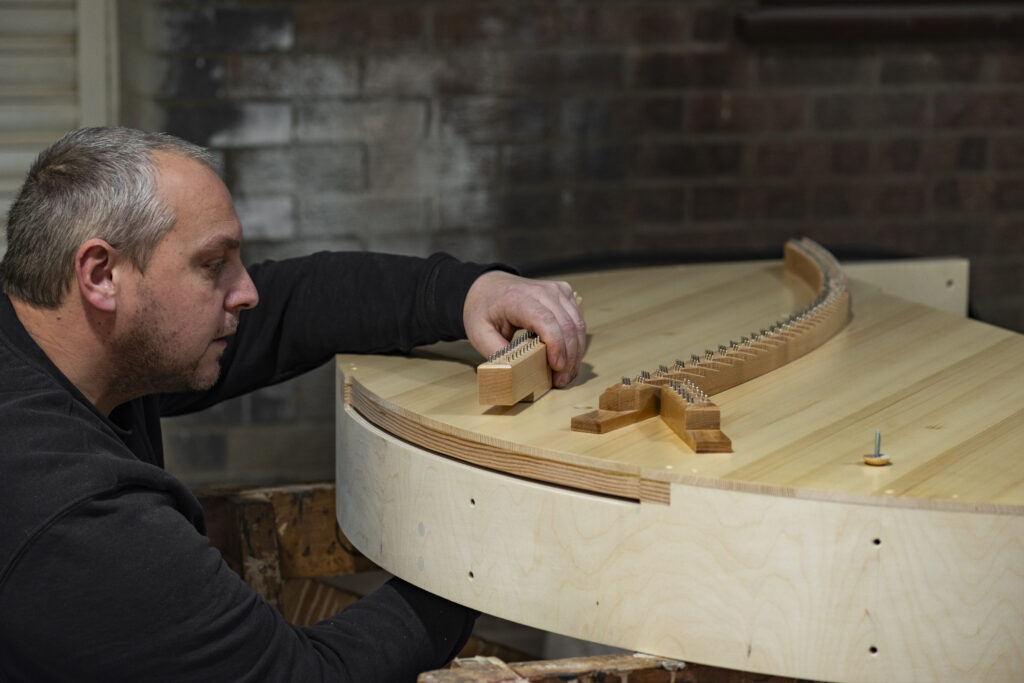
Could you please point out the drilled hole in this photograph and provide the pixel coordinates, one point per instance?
(472, 502)
(877, 541)
(873, 650)
(471, 577)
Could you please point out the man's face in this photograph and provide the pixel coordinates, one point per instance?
(180, 311)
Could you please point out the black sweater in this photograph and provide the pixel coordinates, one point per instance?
(105, 569)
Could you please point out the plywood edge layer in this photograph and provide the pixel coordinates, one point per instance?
(620, 483)
(640, 484)
(357, 390)
(779, 491)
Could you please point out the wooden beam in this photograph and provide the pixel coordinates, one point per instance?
(614, 667)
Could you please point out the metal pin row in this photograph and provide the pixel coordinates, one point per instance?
(832, 289)
(515, 348)
(689, 391)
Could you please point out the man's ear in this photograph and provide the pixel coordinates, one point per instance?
(96, 270)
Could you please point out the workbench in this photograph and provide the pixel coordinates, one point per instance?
(788, 556)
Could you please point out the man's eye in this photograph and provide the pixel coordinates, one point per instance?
(215, 267)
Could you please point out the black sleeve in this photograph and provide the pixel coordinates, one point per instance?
(337, 302)
(125, 588)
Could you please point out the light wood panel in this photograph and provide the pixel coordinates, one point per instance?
(788, 556)
(685, 385)
(940, 283)
(805, 588)
(944, 391)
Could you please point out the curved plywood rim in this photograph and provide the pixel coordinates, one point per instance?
(802, 589)
(834, 569)
(578, 472)
(596, 475)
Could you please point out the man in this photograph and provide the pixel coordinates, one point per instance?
(126, 299)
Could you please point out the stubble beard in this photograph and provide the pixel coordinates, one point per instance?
(148, 364)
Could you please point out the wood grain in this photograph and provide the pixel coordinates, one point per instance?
(789, 556)
(519, 372)
(943, 390)
(813, 589)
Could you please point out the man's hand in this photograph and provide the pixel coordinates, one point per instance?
(499, 303)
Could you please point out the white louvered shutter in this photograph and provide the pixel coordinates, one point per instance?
(57, 72)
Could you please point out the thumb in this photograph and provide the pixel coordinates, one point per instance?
(486, 339)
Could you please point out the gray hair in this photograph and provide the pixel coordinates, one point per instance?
(92, 183)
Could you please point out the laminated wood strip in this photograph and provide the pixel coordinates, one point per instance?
(712, 373)
(622, 483)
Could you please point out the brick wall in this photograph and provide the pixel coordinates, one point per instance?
(550, 134)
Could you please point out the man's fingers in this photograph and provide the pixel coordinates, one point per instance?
(566, 336)
(579, 326)
(498, 303)
(489, 341)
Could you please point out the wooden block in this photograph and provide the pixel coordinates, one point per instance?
(620, 406)
(310, 542)
(602, 421)
(519, 373)
(272, 535)
(698, 425)
(471, 670)
(635, 397)
(711, 441)
(261, 559)
(623, 667)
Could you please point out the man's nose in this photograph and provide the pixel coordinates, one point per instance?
(243, 295)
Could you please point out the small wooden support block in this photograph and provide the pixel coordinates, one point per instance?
(698, 425)
(620, 406)
(520, 372)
